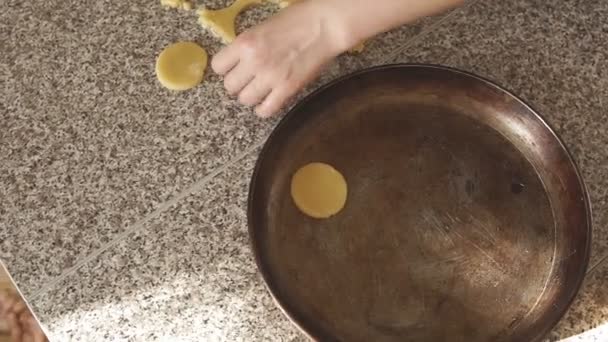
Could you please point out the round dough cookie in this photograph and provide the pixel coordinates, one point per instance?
(318, 190)
(181, 66)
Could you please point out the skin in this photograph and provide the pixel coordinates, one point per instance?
(23, 327)
(269, 63)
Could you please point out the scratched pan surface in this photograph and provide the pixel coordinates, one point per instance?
(466, 218)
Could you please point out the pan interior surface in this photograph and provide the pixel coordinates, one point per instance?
(452, 225)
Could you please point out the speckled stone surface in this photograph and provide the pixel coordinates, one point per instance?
(90, 143)
(587, 319)
(192, 277)
(95, 157)
(189, 275)
(553, 55)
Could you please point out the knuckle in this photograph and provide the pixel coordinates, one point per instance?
(248, 44)
(252, 48)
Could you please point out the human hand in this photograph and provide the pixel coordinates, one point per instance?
(271, 62)
(22, 325)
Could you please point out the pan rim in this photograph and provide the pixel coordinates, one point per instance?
(303, 102)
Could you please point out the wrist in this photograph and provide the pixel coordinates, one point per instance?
(352, 21)
(339, 24)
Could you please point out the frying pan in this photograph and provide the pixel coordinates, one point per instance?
(466, 217)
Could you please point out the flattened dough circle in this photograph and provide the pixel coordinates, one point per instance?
(181, 66)
(319, 190)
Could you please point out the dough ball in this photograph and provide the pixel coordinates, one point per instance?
(181, 66)
(319, 190)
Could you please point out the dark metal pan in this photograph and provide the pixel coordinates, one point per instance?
(466, 217)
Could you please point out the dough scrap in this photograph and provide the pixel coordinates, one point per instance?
(181, 66)
(282, 3)
(358, 48)
(221, 22)
(183, 4)
(319, 190)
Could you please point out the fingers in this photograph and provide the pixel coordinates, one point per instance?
(14, 327)
(3, 303)
(237, 79)
(225, 60)
(254, 92)
(266, 66)
(286, 90)
(34, 330)
(246, 74)
(276, 99)
(261, 92)
(19, 307)
(27, 336)
(22, 325)
(37, 332)
(8, 303)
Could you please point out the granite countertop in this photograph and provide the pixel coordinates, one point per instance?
(122, 205)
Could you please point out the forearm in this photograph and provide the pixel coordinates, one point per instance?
(358, 20)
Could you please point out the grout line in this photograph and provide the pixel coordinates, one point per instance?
(597, 265)
(139, 225)
(424, 32)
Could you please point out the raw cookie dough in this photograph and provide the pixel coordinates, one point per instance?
(358, 48)
(181, 66)
(318, 190)
(221, 22)
(282, 3)
(183, 4)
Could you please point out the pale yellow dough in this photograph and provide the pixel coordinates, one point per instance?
(358, 48)
(181, 66)
(183, 4)
(319, 190)
(222, 22)
(283, 3)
